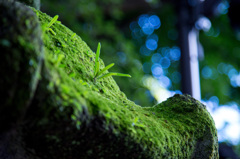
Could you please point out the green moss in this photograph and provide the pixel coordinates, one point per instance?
(105, 123)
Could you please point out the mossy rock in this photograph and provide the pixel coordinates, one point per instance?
(21, 57)
(71, 115)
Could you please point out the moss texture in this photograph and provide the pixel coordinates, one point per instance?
(73, 116)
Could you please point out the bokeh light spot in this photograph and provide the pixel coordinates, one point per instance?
(165, 62)
(222, 8)
(157, 70)
(153, 36)
(155, 21)
(142, 20)
(235, 80)
(156, 58)
(232, 72)
(203, 23)
(206, 72)
(147, 29)
(175, 53)
(165, 51)
(151, 44)
(165, 81)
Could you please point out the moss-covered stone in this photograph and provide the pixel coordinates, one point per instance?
(21, 59)
(74, 116)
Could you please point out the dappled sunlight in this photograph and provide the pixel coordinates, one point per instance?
(227, 120)
(158, 88)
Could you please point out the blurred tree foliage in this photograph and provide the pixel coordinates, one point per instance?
(108, 21)
(222, 56)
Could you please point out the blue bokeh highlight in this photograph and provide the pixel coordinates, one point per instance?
(157, 70)
(149, 23)
(160, 58)
(151, 44)
(165, 62)
(156, 58)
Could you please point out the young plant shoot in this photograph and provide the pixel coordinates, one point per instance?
(99, 74)
(54, 19)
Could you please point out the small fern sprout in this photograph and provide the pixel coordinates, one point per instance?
(99, 74)
(96, 68)
(54, 19)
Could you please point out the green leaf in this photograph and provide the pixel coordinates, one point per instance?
(106, 75)
(140, 125)
(135, 120)
(73, 35)
(54, 19)
(72, 74)
(53, 33)
(96, 69)
(122, 74)
(114, 74)
(105, 68)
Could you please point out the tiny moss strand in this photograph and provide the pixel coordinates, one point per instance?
(106, 75)
(106, 68)
(97, 60)
(122, 74)
(52, 31)
(73, 35)
(54, 19)
(114, 74)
